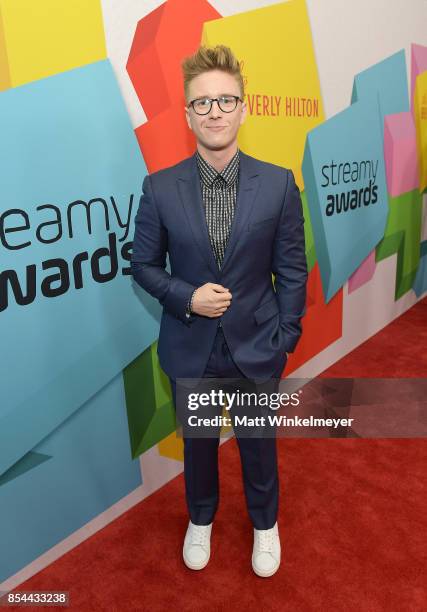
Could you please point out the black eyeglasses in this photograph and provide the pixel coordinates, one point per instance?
(202, 106)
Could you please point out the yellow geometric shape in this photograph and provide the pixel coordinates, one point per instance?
(172, 447)
(39, 38)
(282, 89)
(4, 64)
(420, 116)
(226, 414)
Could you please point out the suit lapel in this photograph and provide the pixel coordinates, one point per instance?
(190, 192)
(191, 197)
(246, 193)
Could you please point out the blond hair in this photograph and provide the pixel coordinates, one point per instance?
(211, 58)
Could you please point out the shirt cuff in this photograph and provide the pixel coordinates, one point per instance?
(188, 311)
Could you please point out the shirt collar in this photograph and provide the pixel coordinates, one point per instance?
(209, 174)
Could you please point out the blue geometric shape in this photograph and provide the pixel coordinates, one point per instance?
(344, 177)
(387, 80)
(420, 282)
(71, 176)
(28, 462)
(90, 469)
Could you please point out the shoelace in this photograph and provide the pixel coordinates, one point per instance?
(199, 535)
(265, 540)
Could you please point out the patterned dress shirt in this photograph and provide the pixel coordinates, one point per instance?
(219, 193)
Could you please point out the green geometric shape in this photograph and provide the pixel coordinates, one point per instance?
(310, 249)
(150, 411)
(28, 462)
(402, 236)
(162, 388)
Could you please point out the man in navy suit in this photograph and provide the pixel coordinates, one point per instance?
(228, 222)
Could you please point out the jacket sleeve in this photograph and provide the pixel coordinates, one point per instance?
(148, 261)
(290, 265)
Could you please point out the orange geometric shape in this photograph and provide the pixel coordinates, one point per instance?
(154, 67)
(166, 139)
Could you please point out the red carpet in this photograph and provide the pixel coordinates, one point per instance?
(352, 522)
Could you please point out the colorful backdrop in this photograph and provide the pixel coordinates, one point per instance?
(91, 99)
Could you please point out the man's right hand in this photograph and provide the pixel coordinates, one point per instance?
(211, 300)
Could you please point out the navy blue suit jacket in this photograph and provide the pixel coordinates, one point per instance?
(263, 321)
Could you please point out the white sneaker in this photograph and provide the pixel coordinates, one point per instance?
(266, 551)
(197, 546)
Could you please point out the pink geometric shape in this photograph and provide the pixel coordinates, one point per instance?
(400, 153)
(363, 274)
(418, 65)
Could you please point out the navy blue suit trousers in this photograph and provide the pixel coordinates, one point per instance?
(258, 457)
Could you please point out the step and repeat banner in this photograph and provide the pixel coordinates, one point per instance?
(91, 100)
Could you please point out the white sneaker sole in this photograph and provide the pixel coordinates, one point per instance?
(264, 573)
(194, 566)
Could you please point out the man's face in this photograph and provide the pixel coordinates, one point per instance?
(217, 130)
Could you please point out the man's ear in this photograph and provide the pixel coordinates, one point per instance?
(243, 114)
(187, 116)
